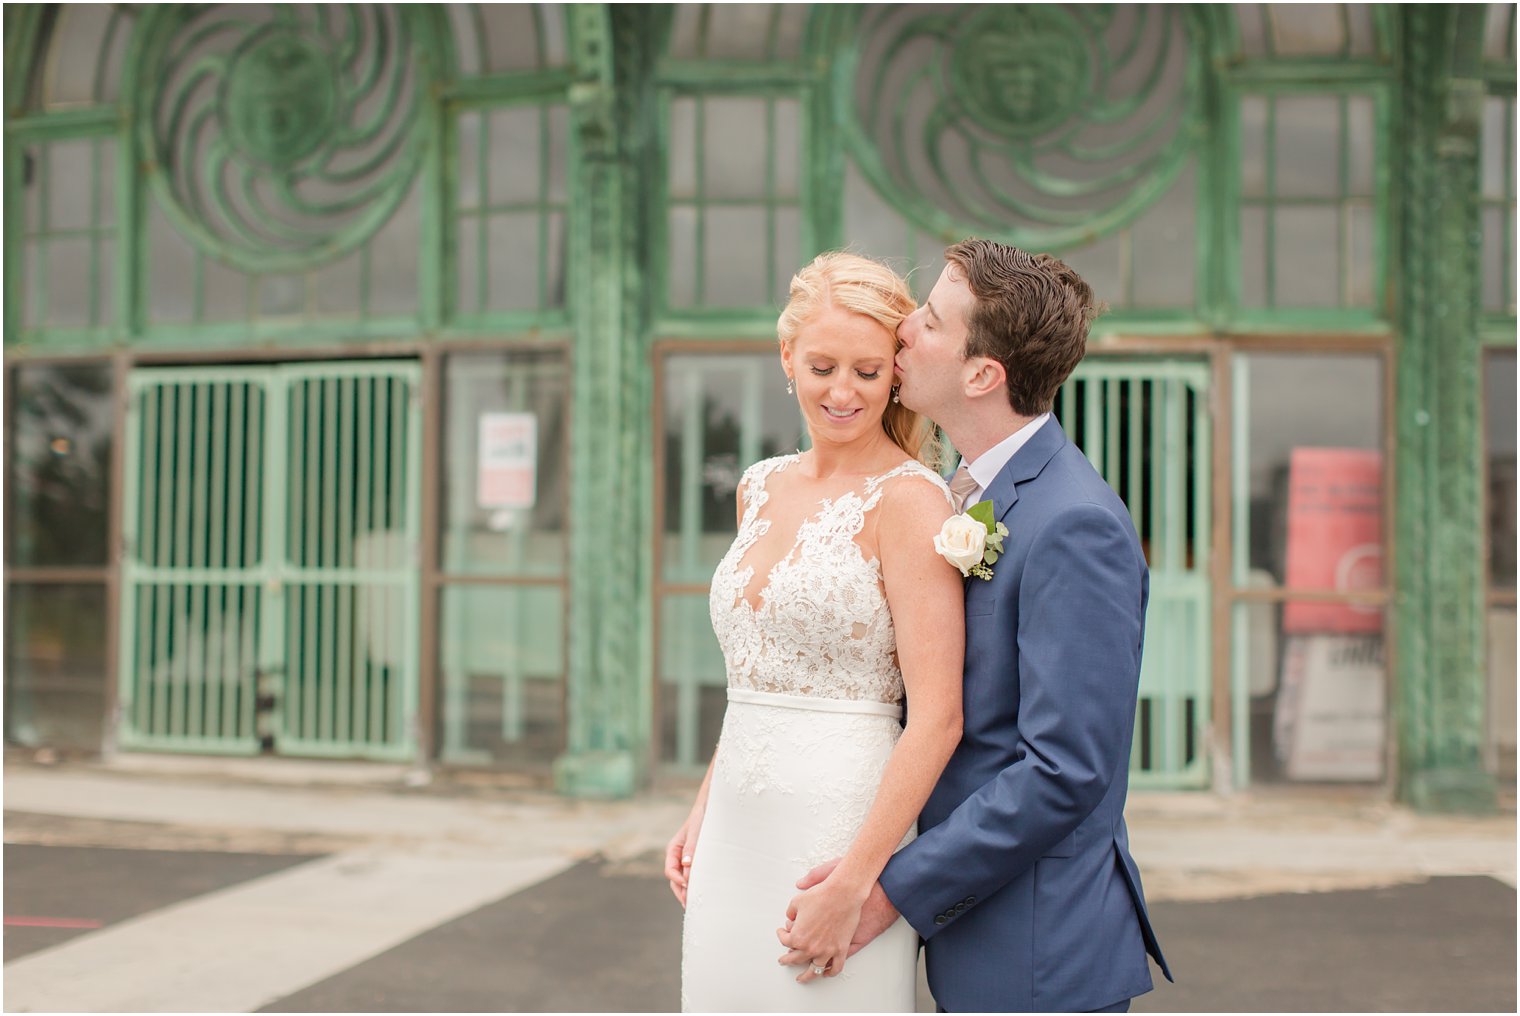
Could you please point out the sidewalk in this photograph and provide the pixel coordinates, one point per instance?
(1191, 846)
(360, 892)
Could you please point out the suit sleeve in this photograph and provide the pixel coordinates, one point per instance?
(1079, 635)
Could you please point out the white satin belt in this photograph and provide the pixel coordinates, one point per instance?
(825, 705)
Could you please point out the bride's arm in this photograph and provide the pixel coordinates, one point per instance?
(926, 597)
(683, 845)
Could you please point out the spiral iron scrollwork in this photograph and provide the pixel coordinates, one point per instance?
(282, 136)
(1043, 125)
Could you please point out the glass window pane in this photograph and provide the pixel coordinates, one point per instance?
(393, 259)
(1315, 697)
(55, 666)
(1253, 146)
(68, 280)
(722, 414)
(1496, 119)
(740, 31)
(1306, 146)
(734, 257)
(1306, 254)
(1498, 33)
(502, 665)
(1361, 145)
(1250, 21)
(1253, 256)
(467, 163)
(682, 241)
(70, 165)
(506, 463)
(1309, 481)
(1499, 445)
(62, 430)
(513, 39)
(1307, 29)
(734, 142)
(693, 683)
(170, 270)
(75, 53)
(513, 168)
(512, 254)
(1164, 244)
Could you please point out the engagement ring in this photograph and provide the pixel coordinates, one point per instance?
(818, 971)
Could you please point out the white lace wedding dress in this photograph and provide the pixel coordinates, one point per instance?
(815, 699)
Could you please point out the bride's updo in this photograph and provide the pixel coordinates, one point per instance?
(861, 285)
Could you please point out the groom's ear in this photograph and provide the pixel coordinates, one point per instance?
(984, 376)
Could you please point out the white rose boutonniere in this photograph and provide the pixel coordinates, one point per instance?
(972, 541)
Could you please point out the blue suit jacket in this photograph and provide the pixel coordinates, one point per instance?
(1021, 881)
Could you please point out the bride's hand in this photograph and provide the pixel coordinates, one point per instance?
(678, 854)
(820, 924)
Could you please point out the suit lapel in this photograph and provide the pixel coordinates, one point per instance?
(1024, 466)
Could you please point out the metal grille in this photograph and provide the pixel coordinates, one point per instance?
(270, 579)
(1144, 425)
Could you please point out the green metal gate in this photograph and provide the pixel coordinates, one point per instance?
(1145, 425)
(269, 578)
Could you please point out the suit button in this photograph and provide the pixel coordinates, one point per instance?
(970, 900)
(960, 908)
(940, 918)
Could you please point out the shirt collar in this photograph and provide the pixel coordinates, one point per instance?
(986, 466)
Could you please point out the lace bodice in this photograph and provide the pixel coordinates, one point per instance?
(822, 627)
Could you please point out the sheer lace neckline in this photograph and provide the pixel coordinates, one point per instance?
(755, 600)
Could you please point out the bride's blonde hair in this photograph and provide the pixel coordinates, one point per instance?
(861, 285)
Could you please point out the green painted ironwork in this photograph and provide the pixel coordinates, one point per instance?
(1146, 426)
(279, 138)
(1438, 560)
(1041, 126)
(269, 574)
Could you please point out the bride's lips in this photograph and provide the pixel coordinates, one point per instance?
(830, 413)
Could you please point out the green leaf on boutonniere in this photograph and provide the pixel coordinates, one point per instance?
(982, 512)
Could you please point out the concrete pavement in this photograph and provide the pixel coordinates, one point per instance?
(402, 898)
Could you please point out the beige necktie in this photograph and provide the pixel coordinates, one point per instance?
(961, 486)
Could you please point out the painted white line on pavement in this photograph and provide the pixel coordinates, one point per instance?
(241, 948)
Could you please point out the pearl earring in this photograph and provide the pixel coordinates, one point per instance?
(791, 385)
(894, 395)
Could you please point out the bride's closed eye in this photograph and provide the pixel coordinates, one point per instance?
(864, 376)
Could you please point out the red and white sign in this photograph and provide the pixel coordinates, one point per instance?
(508, 461)
(1335, 537)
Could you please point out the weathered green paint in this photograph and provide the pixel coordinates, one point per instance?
(613, 124)
(1438, 607)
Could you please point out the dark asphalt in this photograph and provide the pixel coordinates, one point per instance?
(605, 936)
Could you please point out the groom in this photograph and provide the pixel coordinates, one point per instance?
(1021, 882)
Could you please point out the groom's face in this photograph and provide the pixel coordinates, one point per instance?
(932, 361)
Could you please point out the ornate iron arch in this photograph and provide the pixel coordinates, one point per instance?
(280, 139)
(1042, 126)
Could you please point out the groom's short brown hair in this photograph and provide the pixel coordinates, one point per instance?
(1032, 315)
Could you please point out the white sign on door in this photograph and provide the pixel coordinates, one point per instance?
(508, 463)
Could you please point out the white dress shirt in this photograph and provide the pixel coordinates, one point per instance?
(985, 467)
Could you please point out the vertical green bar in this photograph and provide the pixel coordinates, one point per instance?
(237, 465)
(331, 485)
(304, 692)
(1092, 420)
(411, 607)
(344, 633)
(1240, 503)
(163, 554)
(1136, 458)
(482, 215)
(359, 677)
(699, 284)
(376, 691)
(1269, 200)
(1342, 205)
(543, 206)
(691, 474)
(44, 203)
(263, 554)
(295, 470)
(1160, 692)
(1065, 408)
(195, 642)
(216, 553)
(1203, 445)
(400, 471)
(184, 521)
(129, 611)
(94, 232)
(1114, 451)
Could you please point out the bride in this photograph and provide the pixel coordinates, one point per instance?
(831, 607)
